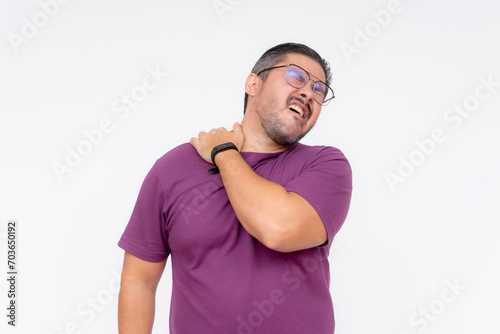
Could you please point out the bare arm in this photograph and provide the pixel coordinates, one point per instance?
(136, 303)
(281, 220)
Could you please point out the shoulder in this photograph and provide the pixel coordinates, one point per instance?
(327, 161)
(316, 153)
(180, 162)
(303, 161)
(179, 153)
(180, 157)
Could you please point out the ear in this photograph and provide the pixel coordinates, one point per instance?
(252, 84)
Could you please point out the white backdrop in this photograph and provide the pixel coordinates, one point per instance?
(93, 92)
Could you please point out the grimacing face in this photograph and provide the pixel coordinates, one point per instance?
(287, 113)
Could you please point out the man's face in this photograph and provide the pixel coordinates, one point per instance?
(277, 102)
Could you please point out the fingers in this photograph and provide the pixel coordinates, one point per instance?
(194, 141)
(218, 132)
(217, 136)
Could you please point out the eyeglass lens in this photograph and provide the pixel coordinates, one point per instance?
(298, 78)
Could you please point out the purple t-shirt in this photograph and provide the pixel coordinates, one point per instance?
(224, 280)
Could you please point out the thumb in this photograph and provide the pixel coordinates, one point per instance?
(237, 128)
(238, 135)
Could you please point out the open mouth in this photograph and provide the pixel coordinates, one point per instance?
(298, 110)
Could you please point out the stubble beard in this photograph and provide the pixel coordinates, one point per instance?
(276, 130)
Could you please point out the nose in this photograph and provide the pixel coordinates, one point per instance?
(307, 91)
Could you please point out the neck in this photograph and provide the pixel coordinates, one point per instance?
(256, 139)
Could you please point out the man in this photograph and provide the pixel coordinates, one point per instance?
(249, 237)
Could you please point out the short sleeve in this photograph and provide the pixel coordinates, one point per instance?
(145, 235)
(326, 183)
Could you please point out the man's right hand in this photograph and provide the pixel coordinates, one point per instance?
(205, 142)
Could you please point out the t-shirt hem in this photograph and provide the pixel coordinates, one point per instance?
(141, 254)
(330, 231)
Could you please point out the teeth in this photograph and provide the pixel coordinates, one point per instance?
(297, 109)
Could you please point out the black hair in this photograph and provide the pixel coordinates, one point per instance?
(277, 54)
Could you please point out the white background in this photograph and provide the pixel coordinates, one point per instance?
(399, 246)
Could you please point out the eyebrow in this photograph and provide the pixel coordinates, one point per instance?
(312, 75)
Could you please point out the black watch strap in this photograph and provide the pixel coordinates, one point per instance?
(222, 148)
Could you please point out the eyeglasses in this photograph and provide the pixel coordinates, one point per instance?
(297, 77)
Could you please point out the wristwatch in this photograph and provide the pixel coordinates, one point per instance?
(222, 148)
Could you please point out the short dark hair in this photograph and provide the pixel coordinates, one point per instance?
(276, 54)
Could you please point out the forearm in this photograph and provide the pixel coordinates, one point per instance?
(136, 309)
(281, 220)
(264, 208)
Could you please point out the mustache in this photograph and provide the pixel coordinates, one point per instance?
(308, 106)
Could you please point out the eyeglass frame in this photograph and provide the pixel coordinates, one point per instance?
(325, 102)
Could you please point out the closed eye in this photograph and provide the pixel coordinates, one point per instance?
(296, 75)
(319, 88)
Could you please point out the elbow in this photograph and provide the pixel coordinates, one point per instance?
(282, 248)
(289, 237)
(277, 245)
(278, 239)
